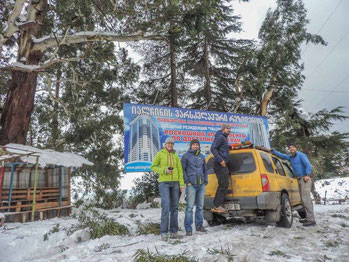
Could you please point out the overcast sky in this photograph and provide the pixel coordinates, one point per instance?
(326, 67)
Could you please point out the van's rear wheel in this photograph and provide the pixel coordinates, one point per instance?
(216, 220)
(285, 212)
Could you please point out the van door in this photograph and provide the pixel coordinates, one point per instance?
(283, 180)
(245, 179)
(295, 188)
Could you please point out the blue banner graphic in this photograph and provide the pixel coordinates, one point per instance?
(146, 128)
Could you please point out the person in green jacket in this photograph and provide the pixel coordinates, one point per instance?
(168, 165)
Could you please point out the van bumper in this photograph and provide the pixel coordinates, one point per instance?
(265, 200)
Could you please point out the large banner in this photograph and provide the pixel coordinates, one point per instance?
(146, 128)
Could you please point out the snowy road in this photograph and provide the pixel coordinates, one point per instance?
(327, 241)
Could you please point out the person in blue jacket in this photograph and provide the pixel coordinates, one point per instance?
(302, 169)
(220, 150)
(195, 178)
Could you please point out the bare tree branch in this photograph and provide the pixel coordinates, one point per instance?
(11, 23)
(44, 43)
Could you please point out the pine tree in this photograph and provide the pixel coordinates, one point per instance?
(326, 149)
(35, 31)
(279, 57)
(211, 57)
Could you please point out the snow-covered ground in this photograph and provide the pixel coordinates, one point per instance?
(327, 241)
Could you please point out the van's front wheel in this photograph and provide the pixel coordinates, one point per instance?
(285, 212)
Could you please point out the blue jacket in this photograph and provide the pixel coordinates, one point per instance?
(220, 147)
(300, 163)
(194, 168)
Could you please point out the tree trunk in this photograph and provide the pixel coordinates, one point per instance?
(19, 103)
(208, 94)
(174, 98)
(54, 123)
(263, 109)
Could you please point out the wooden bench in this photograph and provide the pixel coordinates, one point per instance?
(27, 194)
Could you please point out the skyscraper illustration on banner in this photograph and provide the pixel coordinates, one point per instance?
(259, 135)
(144, 140)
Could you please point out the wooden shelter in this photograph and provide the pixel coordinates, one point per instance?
(35, 183)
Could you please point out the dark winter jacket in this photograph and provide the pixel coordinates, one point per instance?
(300, 163)
(220, 147)
(194, 168)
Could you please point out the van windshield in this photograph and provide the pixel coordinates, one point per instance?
(241, 163)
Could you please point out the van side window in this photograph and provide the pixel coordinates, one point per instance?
(267, 162)
(288, 170)
(210, 166)
(279, 167)
(241, 163)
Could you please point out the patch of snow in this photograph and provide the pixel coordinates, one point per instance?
(328, 240)
(333, 188)
(28, 67)
(49, 157)
(143, 205)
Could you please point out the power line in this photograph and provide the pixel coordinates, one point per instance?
(328, 54)
(318, 90)
(333, 90)
(322, 26)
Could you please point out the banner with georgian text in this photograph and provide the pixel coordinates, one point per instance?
(146, 128)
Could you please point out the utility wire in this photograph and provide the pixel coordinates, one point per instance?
(318, 90)
(328, 54)
(333, 90)
(322, 26)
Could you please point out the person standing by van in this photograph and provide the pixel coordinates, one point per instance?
(302, 169)
(168, 165)
(195, 178)
(220, 150)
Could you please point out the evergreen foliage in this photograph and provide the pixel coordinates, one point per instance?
(328, 151)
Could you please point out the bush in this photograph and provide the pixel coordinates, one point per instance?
(55, 229)
(98, 224)
(148, 256)
(150, 228)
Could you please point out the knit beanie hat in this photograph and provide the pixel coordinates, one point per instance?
(194, 141)
(169, 140)
(224, 126)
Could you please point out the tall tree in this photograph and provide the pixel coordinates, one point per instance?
(36, 35)
(211, 56)
(279, 59)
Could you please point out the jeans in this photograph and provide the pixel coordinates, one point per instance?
(169, 193)
(222, 174)
(194, 195)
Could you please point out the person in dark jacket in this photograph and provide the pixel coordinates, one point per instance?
(196, 178)
(220, 150)
(302, 169)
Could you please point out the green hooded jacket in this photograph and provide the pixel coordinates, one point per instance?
(164, 159)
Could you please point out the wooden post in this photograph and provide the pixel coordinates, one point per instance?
(325, 197)
(2, 175)
(34, 193)
(60, 185)
(11, 185)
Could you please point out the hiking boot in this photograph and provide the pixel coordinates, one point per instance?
(201, 229)
(309, 223)
(164, 236)
(175, 235)
(189, 233)
(219, 209)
